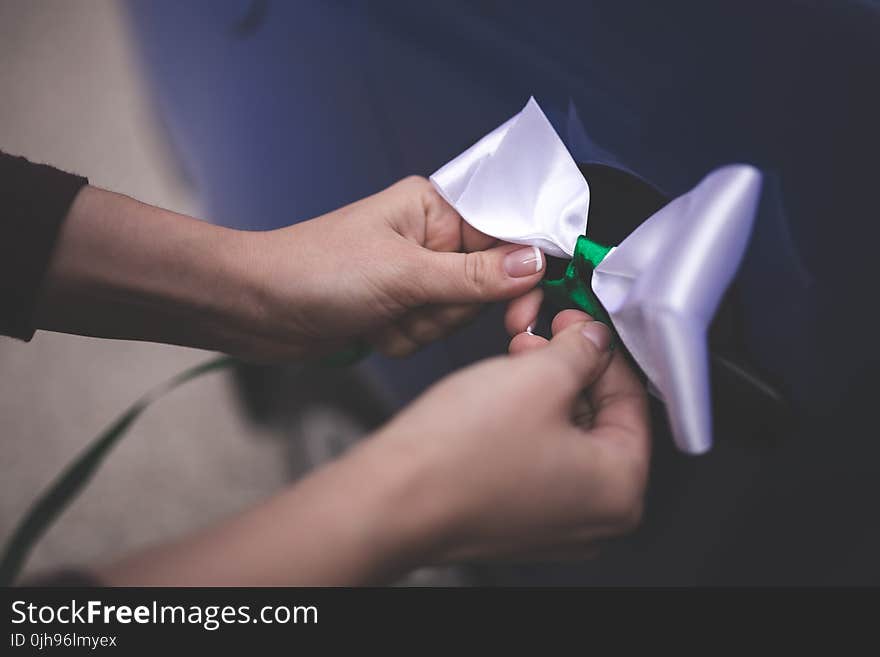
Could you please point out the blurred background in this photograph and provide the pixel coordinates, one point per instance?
(75, 95)
(260, 113)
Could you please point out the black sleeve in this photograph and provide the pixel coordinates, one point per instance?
(34, 200)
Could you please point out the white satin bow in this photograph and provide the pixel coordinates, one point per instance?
(519, 184)
(661, 286)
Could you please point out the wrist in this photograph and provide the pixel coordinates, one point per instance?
(237, 308)
(123, 269)
(278, 295)
(408, 509)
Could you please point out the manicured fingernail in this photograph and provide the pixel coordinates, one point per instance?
(524, 262)
(598, 334)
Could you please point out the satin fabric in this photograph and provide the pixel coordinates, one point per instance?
(661, 286)
(519, 184)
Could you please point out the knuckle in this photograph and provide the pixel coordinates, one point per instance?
(575, 361)
(417, 189)
(420, 188)
(415, 182)
(423, 331)
(392, 344)
(476, 271)
(586, 349)
(396, 349)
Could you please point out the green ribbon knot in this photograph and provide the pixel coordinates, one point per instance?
(573, 289)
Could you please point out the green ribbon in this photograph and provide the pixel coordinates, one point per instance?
(71, 481)
(573, 289)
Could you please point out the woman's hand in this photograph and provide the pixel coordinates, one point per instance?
(532, 456)
(400, 269)
(536, 455)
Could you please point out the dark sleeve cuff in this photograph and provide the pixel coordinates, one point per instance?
(34, 200)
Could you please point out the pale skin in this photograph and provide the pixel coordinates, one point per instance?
(540, 454)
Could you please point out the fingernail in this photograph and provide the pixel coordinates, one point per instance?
(598, 334)
(524, 262)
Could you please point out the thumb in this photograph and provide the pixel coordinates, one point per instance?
(578, 355)
(502, 272)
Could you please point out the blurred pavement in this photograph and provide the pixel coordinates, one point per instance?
(72, 96)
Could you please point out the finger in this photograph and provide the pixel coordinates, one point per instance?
(474, 240)
(618, 398)
(430, 323)
(620, 405)
(618, 382)
(502, 272)
(391, 341)
(583, 413)
(617, 454)
(445, 230)
(422, 215)
(566, 318)
(526, 342)
(614, 461)
(578, 355)
(522, 312)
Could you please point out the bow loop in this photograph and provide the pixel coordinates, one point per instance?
(519, 184)
(660, 286)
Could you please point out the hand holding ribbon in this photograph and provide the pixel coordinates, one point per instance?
(660, 286)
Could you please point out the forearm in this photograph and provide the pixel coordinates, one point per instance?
(124, 269)
(350, 523)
